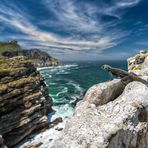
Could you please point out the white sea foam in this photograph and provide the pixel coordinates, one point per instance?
(76, 86)
(64, 90)
(48, 137)
(57, 67)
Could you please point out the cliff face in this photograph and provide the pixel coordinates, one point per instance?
(110, 115)
(24, 100)
(39, 58)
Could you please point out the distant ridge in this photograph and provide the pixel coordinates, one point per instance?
(39, 58)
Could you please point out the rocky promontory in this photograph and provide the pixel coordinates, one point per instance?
(112, 114)
(39, 58)
(24, 100)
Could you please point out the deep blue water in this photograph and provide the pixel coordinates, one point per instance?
(68, 83)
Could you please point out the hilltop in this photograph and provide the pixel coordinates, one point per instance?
(11, 46)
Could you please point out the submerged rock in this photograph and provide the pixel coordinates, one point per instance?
(24, 100)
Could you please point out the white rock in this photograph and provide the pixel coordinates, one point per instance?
(119, 123)
(104, 92)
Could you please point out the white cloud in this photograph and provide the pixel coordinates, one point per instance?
(127, 3)
(78, 19)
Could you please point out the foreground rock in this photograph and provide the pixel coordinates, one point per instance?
(108, 117)
(102, 93)
(121, 123)
(24, 100)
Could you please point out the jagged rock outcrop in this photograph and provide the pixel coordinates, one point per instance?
(40, 58)
(138, 62)
(24, 100)
(102, 120)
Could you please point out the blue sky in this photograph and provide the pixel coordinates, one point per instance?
(77, 29)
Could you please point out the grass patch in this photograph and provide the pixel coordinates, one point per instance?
(12, 46)
(19, 83)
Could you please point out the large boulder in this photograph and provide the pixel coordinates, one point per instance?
(119, 123)
(102, 93)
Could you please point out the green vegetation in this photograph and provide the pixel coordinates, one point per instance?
(13, 63)
(137, 67)
(10, 67)
(10, 46)
(19, 83)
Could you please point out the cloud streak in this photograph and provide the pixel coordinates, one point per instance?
(84, 23)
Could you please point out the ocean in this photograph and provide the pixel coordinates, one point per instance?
(68, 83)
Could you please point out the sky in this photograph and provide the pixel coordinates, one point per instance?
(74, 30)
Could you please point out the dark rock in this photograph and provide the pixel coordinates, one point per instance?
(55, 122)
(59, 129)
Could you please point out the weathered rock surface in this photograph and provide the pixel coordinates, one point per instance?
(139, 61)
(24, 100)
(108, 117)
(120, 123)
(102, 93)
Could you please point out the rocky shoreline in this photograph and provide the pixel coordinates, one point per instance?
(111, 114)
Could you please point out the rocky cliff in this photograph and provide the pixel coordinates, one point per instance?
(39, 58)
(24, 100)
(111, 114)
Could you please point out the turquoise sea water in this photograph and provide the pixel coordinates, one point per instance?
(67, 84)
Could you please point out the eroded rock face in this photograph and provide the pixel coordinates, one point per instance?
(116, 124)
(24, 100)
